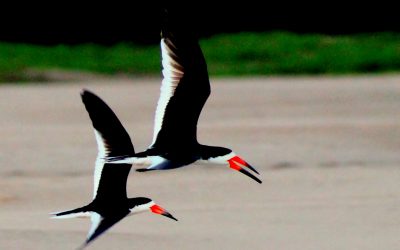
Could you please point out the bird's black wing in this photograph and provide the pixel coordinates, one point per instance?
(184, 89)
(112, 140)
(101, 224)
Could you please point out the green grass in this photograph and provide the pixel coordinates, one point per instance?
(16, 59)
(288, 53)
(277, 53)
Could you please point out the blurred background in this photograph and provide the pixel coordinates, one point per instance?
(140, 23)
(315, 110)
(271, 38)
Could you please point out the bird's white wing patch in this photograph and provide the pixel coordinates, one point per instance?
(96, 219)
(172, 73)
(100, 161)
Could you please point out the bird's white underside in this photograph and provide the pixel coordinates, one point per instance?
(171, 77)
(147, 162)
(72, 215)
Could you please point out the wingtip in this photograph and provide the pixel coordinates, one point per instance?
(84, 245)
(176, 18)
(87, 95)
(164, 23)
(85, 92)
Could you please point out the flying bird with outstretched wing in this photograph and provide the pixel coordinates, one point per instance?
(184, 90)
(110, 203)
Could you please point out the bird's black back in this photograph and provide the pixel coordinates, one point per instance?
(112, 185)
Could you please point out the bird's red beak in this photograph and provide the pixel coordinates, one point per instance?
(236, 163)
(159, 210)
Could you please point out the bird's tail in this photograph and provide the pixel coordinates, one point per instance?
(81, 212)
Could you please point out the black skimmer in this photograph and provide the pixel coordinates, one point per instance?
(110, 203)
(184, 90)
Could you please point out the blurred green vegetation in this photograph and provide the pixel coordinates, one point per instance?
(275, 53)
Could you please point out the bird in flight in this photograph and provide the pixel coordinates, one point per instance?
(184, 90)
(110, 203)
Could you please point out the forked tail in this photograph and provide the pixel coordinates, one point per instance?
(74, 213)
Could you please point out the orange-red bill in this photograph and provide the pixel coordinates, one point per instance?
(159, 210)
(233, 164)
(239, 160)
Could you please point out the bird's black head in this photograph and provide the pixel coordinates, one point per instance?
(225, 156)
(207, 152)
(143, 204)
(138, 201)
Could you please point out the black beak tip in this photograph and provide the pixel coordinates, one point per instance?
(250, 175)
(253, 169)
(257, 180)
(170, 216)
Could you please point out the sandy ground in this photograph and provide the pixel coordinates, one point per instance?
(327, 149)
